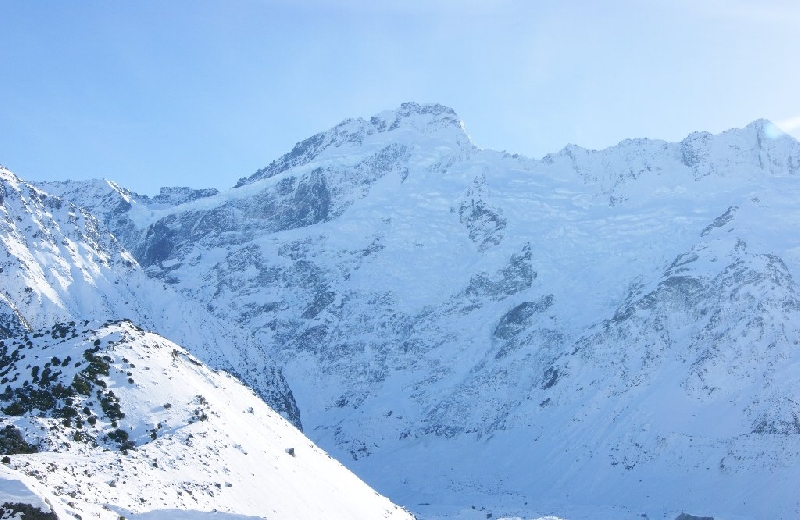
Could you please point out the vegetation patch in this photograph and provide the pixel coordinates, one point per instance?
(25, 512)
(47, 392)
(12, 442)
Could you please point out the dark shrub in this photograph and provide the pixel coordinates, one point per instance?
(11, 442)
(25, 512)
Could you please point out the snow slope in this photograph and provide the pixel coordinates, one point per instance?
(596, 334)
(134, 426)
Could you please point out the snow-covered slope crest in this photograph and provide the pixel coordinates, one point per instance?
(109, 420)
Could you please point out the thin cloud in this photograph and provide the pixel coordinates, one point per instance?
(789, 125)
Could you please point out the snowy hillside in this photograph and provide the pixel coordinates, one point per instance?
(596, 334)
(61, 264)
(125, 423)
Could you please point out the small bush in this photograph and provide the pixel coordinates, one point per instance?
(121, 437)
(118, 435)
(12, 443)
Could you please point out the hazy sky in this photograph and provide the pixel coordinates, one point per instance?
(200, 93)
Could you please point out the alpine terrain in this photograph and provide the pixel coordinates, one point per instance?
(596, 334)
(103, 419)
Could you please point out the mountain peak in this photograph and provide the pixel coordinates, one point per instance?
(7, 175)
(422, 119)
(768, 129)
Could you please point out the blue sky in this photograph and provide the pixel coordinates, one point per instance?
(200, 93)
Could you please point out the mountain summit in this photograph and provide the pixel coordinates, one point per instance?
(433, 120)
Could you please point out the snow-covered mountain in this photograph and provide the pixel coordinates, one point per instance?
(596, 334)
(109, 421)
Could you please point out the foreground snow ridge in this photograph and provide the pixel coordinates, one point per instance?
(152, 433)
